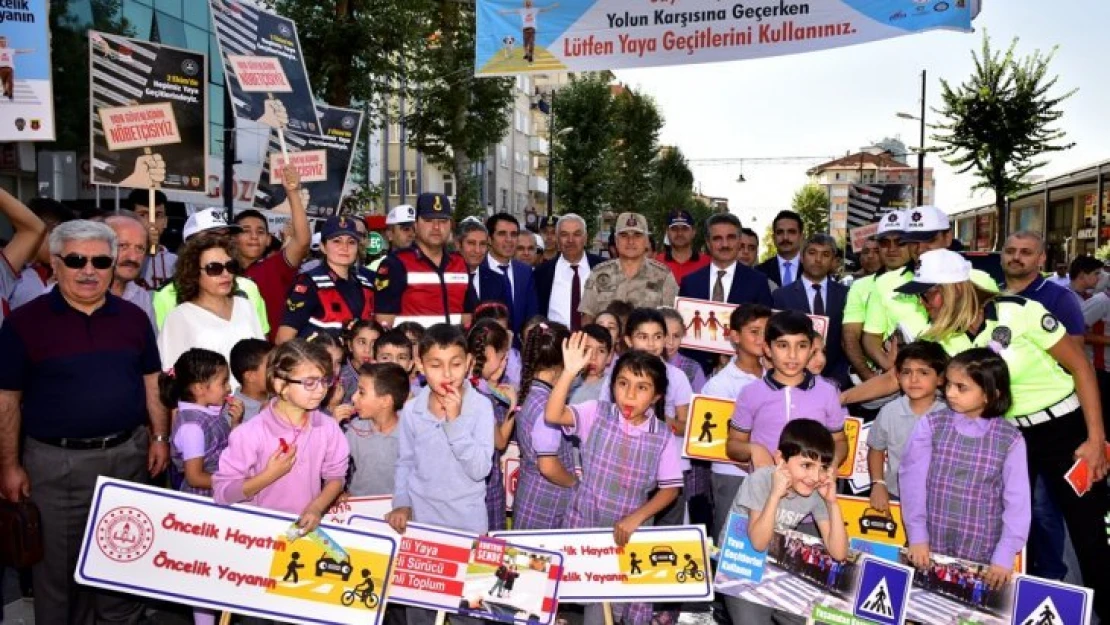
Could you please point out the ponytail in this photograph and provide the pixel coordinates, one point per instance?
(485, 333)
(543, 351)
(195, 366)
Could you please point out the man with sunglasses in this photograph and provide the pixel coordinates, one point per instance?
(79, 394)
(209, 220)
(925, 228)
(894, 255)
(339, 290)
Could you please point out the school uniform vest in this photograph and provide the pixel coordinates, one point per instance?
(964, 494)
(432, 297)
(216, 432)
(538, 504)
(334, 311)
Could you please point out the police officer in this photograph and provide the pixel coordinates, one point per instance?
(632, 277)
(399, 231)
(338, 290)
(424, 283)
(1056, 402)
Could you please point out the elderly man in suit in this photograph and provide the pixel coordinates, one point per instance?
(561, 280)
(816, 293)
(501, 277)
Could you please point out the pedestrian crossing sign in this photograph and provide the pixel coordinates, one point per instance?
(1044, 602)
(883, 592)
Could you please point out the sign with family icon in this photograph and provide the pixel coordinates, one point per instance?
(184, 548)
(707, 324)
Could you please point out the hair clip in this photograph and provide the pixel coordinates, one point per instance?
(542, 325)
(996, 347)
(171, 373)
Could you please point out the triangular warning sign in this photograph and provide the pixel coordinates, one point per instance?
(1045, 614)
(878, 601)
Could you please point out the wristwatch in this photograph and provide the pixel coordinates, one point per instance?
(161, 438)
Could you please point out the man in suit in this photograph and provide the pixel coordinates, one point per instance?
(501, 278)
(783, 268)
(558, 279)
(724, 279)
(816, 293)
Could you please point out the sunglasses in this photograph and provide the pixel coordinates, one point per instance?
(80, 261)
(311, 384)
(216, 269)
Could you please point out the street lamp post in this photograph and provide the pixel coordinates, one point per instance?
(921, 146)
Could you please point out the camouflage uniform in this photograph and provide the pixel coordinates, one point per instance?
(652, 286)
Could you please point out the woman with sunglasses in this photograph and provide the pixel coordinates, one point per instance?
(1056, 403)
(211, 312)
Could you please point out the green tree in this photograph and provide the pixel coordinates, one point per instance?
(672, 185)
(636, 122)
(812, 204)
(999, 123)
(769, 248)
(69, 49)
(457, 117)
(672, 166)
(581, 155)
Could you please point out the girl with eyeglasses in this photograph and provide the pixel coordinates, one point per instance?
(291, 457)
(211, 312)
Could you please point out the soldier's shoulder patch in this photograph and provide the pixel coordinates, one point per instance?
(1049, 323)
(301, 289)
(293, 306)
(381, 282)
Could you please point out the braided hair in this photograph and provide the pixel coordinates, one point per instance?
(485, 333)
(195, 366)
(543, 351)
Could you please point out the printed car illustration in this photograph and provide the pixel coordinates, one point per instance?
(663, 553)
(327, 565)
(873, 520)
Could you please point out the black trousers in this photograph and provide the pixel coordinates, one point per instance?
(1051, 451)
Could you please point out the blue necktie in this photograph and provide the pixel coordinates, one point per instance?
(508, 285)
(788, 273)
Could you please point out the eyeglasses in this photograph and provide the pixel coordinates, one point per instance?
(216, 269)
(80, 261)
(311, 384)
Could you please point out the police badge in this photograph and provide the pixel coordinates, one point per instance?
(1002, 336)
(1049, 323)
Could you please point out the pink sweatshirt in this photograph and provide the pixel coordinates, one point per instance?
(322, 455)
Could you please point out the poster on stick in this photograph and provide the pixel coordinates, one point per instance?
(582, 35)
(264, 64)
(707, 324)
(26, 86)
(166, 545)
(463, 573)
(149, 110)
(659, 564)
(324, 162)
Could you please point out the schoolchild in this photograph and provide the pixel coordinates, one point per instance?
(488, 346)
(373, 434)
(964, 479)
(788, 391)
(746, 326)
(196, 386)
(591, 384)
(631, 467)
(499, 312)
(676, 331)
(248, 366)
(612, 323)
(800, 483)
(393, 346)
(546, 455)
(920, 366)
(358, 339)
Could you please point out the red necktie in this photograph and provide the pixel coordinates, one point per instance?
(575, 300)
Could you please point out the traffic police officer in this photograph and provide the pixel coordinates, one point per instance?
(333, 293)
(632, 277)
(424, 283)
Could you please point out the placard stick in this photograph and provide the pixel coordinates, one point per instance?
(607, 611)
(150, 209)
(441, 616)
(225, 618)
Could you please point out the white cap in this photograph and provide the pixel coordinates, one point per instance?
(207, 219)
(539, 242)
(317, 241)
(937, 267)
(893, 222)
(401, 214)
(924, 222)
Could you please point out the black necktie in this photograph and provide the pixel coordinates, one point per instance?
(508, 286)
(575, 300)
(818, 303)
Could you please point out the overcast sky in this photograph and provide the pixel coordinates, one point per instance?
(830, 102)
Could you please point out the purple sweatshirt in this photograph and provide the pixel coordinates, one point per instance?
(322, 455)
(913, 476)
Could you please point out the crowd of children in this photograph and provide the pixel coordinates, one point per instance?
(424, 415)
